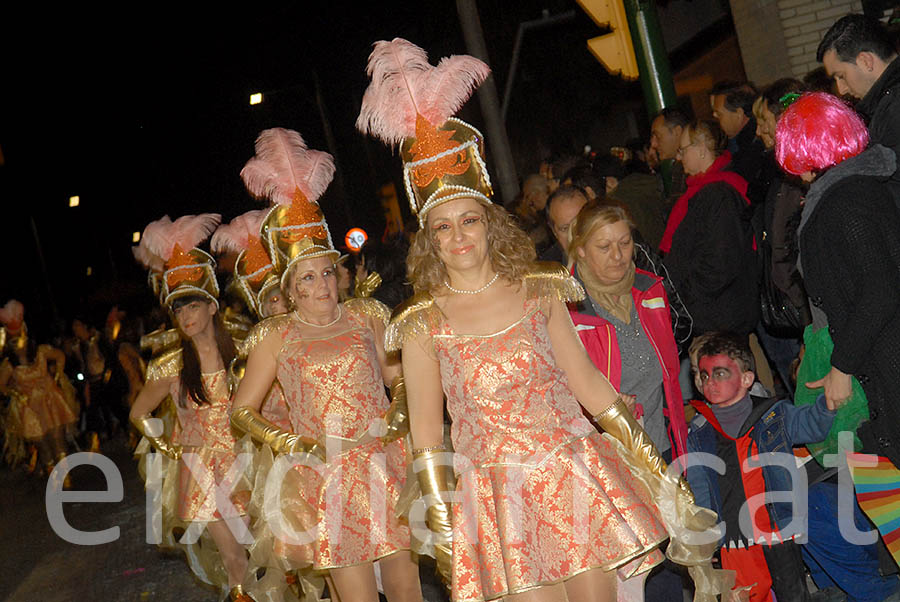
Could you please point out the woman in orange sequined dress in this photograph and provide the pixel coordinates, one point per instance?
(328, 358)
(42, 410)
(545, 507)
(210, 490)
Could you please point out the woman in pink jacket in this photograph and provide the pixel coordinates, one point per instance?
(624, 324)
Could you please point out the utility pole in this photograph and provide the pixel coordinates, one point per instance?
(498, 143)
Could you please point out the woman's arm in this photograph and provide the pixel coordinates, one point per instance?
(426, 397)
(590, 386)
(389, 363)
(262, 364)
(151, 395)
(54, 355)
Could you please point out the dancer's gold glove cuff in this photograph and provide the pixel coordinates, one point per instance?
(618, 421)
(436, 478)
(397, 416)
(145, 426)
(248, 420)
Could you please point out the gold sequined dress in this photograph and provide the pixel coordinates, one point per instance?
(208, 447)
(45, 406)
(334, 392)
(541, 495)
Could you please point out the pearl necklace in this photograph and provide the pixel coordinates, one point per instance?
(476, 291)
(332, 323)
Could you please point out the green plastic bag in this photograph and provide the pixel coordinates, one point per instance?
(816, 364)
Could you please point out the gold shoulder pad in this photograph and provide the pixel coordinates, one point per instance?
(417, 315)
(158, 341)
(261, 331)
(551, 279)
(166, 365)
(367, 306)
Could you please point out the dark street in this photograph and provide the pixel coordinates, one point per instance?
(40, 566)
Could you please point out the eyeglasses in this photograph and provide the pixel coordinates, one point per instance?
(682, 149)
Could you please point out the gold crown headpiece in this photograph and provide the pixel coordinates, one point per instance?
(292, 176)
(411, 103)
(254, 273)
(187, 270)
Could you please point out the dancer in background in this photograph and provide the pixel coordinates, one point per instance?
(39, 412)
(195, 376)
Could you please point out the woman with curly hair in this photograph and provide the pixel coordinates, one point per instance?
(544, 507)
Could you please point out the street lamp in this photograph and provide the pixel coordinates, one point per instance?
(135, 237)
(74, 201)
(256, 98)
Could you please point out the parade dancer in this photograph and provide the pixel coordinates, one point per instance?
(329, 360)
(545, 507)
(195, 376)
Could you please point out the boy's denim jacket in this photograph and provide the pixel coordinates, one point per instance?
(776, 427)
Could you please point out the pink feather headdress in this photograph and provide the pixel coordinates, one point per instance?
(188, 269)
(293, 177)
(405, 85)
(411, 103)
(283, 164)
(187, 232)
(236, 236)
(12, 315)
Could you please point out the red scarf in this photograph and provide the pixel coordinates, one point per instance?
(715, 173)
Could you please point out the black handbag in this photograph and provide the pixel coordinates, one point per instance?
(779, 316)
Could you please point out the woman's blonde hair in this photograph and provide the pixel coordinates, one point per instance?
(590, 219)
(709, 134)
(510, 250)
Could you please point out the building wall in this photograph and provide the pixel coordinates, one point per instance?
(778, 38)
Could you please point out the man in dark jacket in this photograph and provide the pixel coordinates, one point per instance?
(857, 52)
(732, 106)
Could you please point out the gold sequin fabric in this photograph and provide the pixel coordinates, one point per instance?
(333, 387)
(204, 432)
(46, 407)
(542, 496)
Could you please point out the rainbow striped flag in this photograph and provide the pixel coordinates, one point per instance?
(878, 494)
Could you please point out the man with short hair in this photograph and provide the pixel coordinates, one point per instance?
(732, 106)
(857, 52)
(665, 138)
(562, 209)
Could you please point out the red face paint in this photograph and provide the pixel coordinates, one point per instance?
(720, 378)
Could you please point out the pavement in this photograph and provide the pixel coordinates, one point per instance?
(38, 565)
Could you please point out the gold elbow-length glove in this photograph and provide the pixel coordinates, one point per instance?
(618, 421)
(248, 420)
(148, 426)
(397, 416)
(436, 479)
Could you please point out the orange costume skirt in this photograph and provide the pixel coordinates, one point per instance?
(517, 527)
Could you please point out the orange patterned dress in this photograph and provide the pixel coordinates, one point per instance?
(46, 407)
(541, 495)
(335, 392)
(204, 433)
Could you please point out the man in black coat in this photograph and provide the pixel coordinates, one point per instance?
(732, 106)
(857, 52)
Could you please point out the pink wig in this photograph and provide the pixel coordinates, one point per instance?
(817, 132)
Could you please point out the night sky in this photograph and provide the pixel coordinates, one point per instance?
(145, 111)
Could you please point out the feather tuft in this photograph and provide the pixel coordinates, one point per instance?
(187, 232)
(398, 70)
(404, 84)
(234, 236)
(282, 164)
(13, 313)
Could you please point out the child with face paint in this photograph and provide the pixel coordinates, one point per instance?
(736, 427)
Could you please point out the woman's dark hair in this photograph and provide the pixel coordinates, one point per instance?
(191, 376)
(30, 351)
